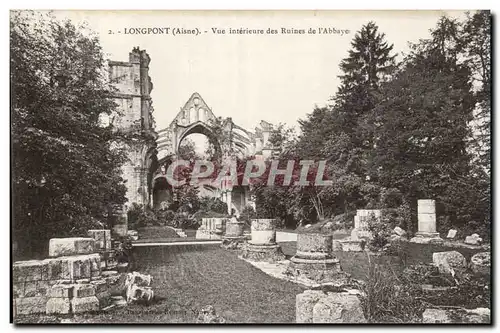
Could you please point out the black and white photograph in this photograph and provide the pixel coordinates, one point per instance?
(250, 167)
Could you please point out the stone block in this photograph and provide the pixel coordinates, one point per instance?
(85, 304)
(102, 238)
(304, 304)
(83, 290)
(448, 261)
(58, 305)
(61, 291)
(452, 233)
(43, 287)
(471, 240)
(338, 308)
(30, 289)
(457, 316)
(138, 279)
(60, 247)
(18, 289)
(351, 245)
(100, 285)
(73, 267)
(426, 206)
(427, 223)
(263, 237)
(399, 231)
(314, 246)
(481, 263)
(31, 270)
(30, 305)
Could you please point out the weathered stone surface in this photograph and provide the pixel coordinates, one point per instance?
(452, 233)
(84, 304)
(399, 231)
(263, 231)
(73, 268)
(138, 279)
(102, 238)
(29, 305)
(318, 270)
(263, 224)
(427, 239)
(267, 253)
(314, 246)
(31, 270)
(61, 291)
(58, 305)
(456, 316)
(137, 294)
(481, 263)
(207, 315)
(59, 247)
(351, 245)
(448, 261)
(338, 308)
(435, 316)
(234, 229)
(100, 285)
(473, 240)
(304, 304)
(83, 290)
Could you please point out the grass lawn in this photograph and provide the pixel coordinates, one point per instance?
(187, 278)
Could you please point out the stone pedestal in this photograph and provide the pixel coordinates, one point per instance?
(315, 261)
(263, 246)
(426, 223)
(211, 228)
(361, 221)
(234, 238)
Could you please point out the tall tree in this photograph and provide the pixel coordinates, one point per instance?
(65, 170)
(422, 123)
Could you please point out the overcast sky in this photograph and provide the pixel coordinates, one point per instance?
(277, 78)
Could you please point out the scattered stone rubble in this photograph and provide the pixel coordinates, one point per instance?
(473, 239)
(208, 315)
(211, 228)
(76, 278)
(316, 306)
(481, 263)
(456, 316)
(448, 261)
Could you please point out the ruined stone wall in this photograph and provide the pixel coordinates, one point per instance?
(133, 84)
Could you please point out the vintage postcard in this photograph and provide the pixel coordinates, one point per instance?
(226, 167)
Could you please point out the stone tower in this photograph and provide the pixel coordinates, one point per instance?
(133, 87)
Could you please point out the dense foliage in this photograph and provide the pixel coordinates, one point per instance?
(65, 171)
(398, 132)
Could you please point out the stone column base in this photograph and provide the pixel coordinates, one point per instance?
(321, 271)
(426, 238)
(269, 253)
(233, 242)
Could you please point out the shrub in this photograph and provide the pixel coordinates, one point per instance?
(210, 204)
(388, 299)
